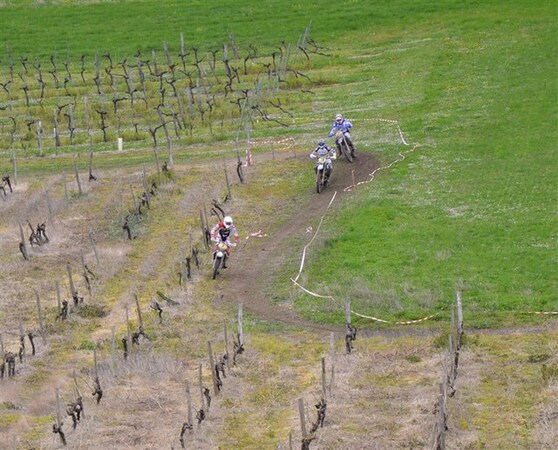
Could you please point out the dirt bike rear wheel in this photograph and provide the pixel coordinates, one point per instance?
(346, 151)
(216, 266)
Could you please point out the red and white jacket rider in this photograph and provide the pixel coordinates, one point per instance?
(223, 232)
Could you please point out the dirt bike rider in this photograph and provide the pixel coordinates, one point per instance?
(222, 232)
(323, 151)
(343, 125)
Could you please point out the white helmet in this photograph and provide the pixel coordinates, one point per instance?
(228, 221)
(339, 118)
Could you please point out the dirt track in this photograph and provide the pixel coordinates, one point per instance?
(249, 275)
(255, 259)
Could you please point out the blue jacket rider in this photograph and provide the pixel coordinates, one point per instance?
(343, 125)
(323, 151)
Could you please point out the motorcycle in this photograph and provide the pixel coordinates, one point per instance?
(220, 257)
(323, 172)
(342, 144)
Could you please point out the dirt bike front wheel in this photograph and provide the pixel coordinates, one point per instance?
(319, 182)
(216, 266)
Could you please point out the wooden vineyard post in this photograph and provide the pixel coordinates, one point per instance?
(77, 393)
(229, 195)
(14, 166)
(212, 369)
(190, 406)
(302, 418)
(70, 280)
(460, 327)
(183, 267)
(22, 341)
(66, 195)
(95, 362)
(58, 419)
(144, 182)
(134, 198)
(40, 137)
(94, 247)
(200, 380)
(140, 318)
(49, 206)
(240, 331)
(41, 324)
(22, 245)
(128, 335)
(113, 349)
(226, 345)
(332, 357)
(77, 178)
(324, 385)
(58, 297)
(84, 269)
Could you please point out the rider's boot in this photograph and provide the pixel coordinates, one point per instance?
(225, 262)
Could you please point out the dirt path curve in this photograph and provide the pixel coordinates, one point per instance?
(257, 258)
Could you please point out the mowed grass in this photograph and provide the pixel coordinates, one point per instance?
(474, 208)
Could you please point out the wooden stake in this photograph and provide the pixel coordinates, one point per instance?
(212, 368)
(226, 344)
(202, 398)
(77, 177)
(190, 406)
(129, 333)
(58, 297)
(460, 328)
(240, 332)
(49, 207)
(113, 349)
(66, 195)
(302, 417)
(22, 337)
(229, 195)
(41, 324)
(22, 242)
(347, 310)
(324, 386)
(139, 312)
(134, 198)
(14, 165)
(332, 362)
(72, 288)
(58, 419)
(94, 247)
